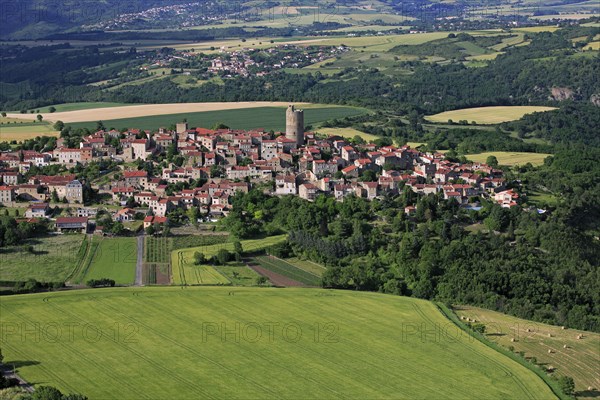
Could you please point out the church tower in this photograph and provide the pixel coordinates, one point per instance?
(294, 125)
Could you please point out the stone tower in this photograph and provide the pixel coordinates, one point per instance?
(294, 125)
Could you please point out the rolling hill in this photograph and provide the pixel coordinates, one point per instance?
(252, 343)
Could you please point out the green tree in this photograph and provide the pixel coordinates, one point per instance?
(52, 109)
(117, 228)
(492, 161)
(39, 118)
(567, 384)
(150, 230)
(199, 258)
(223, 256)
(261, 280)
(46, 393)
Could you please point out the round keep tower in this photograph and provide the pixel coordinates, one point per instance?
(294, 125)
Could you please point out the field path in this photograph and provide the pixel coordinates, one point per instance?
(8, 373)
(109, 113)
(139, 271)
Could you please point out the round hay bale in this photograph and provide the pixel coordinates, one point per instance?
(528, 330)
(462, 317)
(512, 340)
(565, 346)
(590, 388)
(579, 336)
(549, 335)
(562, 327)
(550, 351)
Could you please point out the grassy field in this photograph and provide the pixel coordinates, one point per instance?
(53, 259)
(81, 106)
(190, 274)
(249, 118)
(487, 115)
(239, 343)
(182, 260)
(113, 258)
(348, 133)
(308, 266)
(510, 158)
(282, 267)
(580, 360)
(238, 273)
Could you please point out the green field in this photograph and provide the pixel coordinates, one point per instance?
(113, 258)
(287, 269)
(53, 259)
(182, 260)
(487, 115)
(238, 273)
(132, 343)
(190, 274)
(81, 106)
(510, 158)
(308, 266)
(248, 118)
(579, 360)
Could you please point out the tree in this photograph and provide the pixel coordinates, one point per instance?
(52, 109)
(46, 393)
(261, 280)
(1, 356)
(39, 118)
(492, 161)
(150, 230)
(567, 385)
(55, 196)
(223, 256)
(3, 114)
(117, 228)
(59, 125)
(199, 258)
(219, 125)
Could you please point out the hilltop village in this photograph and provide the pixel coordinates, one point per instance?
(215, 164)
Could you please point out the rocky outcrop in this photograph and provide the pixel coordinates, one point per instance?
(561, 93)
(595, 99)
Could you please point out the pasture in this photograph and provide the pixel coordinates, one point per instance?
(578, 360)
(51, 259)
(249, 118)
(487, 115)
(240, 343)
(113, 258)
(510, 158)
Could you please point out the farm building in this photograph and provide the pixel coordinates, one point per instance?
(72, 224)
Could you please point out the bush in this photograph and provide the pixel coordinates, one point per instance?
(104, 282)
(223, 256)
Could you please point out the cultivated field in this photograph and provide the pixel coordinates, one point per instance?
(487, 115)
(579, 360)
(511, 158)
(240, 343)
(182, 260)
(51, 259)
(284, 268)
(113, 258)
(250, 118)
(190, 274)
(20, 132)
(145, 110)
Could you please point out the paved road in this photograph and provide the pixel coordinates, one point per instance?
(140, 259)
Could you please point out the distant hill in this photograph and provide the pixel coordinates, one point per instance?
(23, 19)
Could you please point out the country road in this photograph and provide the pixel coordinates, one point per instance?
(140, 260)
